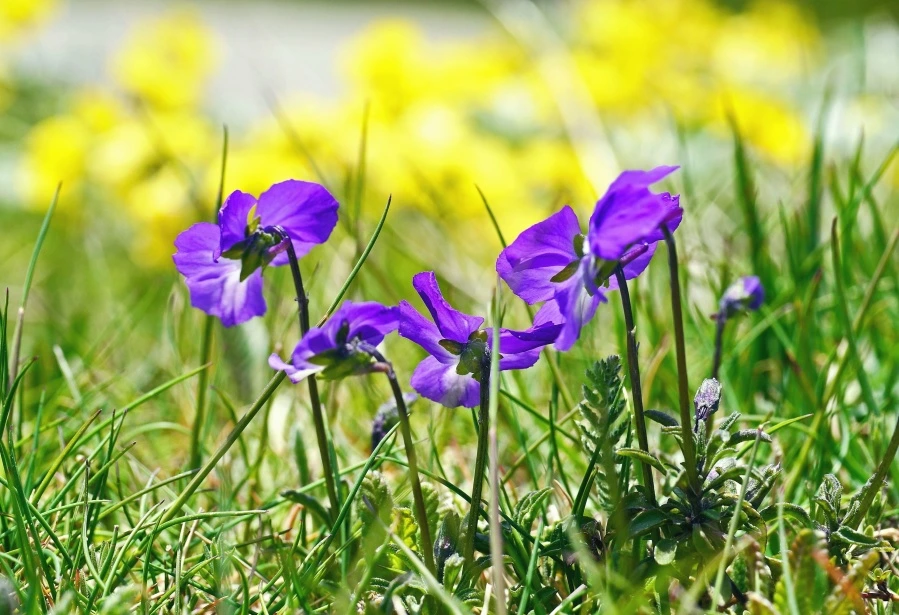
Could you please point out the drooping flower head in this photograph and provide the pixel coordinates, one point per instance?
(459, 348)
(342, 346)
(746, 294)
(555, 262)
(222, 263)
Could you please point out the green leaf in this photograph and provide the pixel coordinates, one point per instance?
(647, 521)
(308, 502)
(641, 455)
(850, 536)
(665, 551)
(662, 418)
(769, 514)
(748, 435)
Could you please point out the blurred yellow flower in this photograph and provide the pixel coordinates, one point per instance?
(444, 117)
(765, 123)
(166, 62)
(19, 15)
(56, 151)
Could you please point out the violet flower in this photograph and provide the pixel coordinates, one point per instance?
(222, 263)
(342, 346)
(459, 348)
(553, 261)
(746, 294)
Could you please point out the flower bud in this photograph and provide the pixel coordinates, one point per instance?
(746, 294)
(707, 398)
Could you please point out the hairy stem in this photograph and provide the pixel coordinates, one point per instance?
(681, 351)
(634, 371)
(318, 417)
(480, 462)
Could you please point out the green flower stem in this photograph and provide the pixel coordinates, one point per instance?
(480, 463)
(689, 446)
(318, 417)
(636, 387)
(202, 387)
(421, 512)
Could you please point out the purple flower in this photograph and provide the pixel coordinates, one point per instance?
(222, 263)
(341, 347)
(553, 261)
(747, 293)
(459, 348)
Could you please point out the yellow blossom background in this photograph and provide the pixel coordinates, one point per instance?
(441, 118)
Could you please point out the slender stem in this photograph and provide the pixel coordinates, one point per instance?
(318, 417)
(683, 385)
(480, 463)
(636, 388)
(720, 321)
(202, 386)
(872, 487)
(427, 544)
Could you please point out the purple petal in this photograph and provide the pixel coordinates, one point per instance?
(753, 287)
(521, 349)
(538, 254)
(295, 374)
(577, 307)
(674, 213)
(628, 212)
(305, 210)
(417, 328)
(549, 313)
(215, 285)
(439, 382)
(233, 218)
(451, 323)
(369, 321)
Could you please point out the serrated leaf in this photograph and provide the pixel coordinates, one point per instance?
(727, 423)
(831, 490)
(374, 494)
(529, 506)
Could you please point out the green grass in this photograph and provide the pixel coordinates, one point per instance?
(148, 467)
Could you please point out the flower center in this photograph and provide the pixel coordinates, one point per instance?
(474, 355)
(346, 358)
(258, 249)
